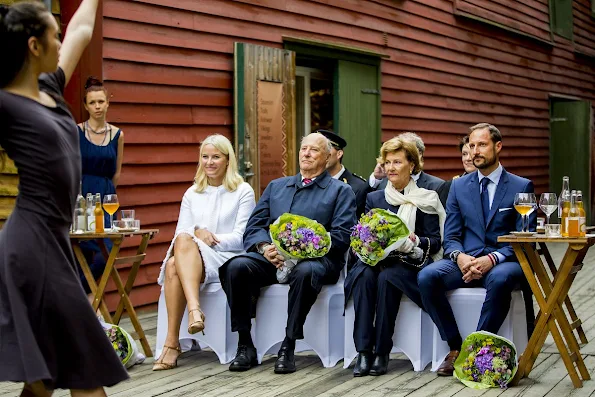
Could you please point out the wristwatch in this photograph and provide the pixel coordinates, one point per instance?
(260, 248)
(454, 255)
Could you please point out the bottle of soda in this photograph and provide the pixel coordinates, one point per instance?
(572, 220)
(582, 220)
(564, 205)
(80, 214)
(565, 189)
(98, 212)
(90, 199)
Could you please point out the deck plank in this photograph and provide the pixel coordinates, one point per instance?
(200, 374)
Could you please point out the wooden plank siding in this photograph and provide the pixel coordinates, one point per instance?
(169, 67)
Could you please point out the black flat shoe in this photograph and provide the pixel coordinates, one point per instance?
(380, 365)
(245, 359)
(285, 363)
(362, 364)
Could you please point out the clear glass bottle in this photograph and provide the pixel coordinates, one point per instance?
(564, 205)
(80, 214)
(90, 199)
(582, 216)
(572, 220)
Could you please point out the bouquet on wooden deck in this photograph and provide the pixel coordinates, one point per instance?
(378, 233)
(486, 360)
(123, 344)
(297, 237)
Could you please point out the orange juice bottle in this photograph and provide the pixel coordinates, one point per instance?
(572, 220)
(582, 217)
(98, 212)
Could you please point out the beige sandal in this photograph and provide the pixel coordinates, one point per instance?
(198, 325)
(159, 365)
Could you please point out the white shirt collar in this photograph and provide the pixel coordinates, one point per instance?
(338, 175)
(494, 176)
(415, 177)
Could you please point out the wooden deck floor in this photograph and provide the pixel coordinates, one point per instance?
(200, 374)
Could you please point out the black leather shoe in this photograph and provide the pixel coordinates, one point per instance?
(380, 365)
(245, 359)
(362, 364)
(285, 363)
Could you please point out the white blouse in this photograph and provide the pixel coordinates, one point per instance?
(219, 211)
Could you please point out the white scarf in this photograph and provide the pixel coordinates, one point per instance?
(415, 197)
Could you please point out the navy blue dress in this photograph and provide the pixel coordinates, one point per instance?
(99, 165)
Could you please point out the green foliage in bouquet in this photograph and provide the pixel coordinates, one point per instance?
(300, 237)
(376, 231)
(486, 360)
(120, 343)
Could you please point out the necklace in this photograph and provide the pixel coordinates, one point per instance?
(101, 131)
(107, 128)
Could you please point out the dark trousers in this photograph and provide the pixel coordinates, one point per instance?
(243, 276)
(442, 276)
(377, 293)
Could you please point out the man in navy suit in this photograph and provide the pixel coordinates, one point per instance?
(480, 207)
(378, 178)
(312, 193)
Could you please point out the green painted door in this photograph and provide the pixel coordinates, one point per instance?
(357, 114)
(570, 148)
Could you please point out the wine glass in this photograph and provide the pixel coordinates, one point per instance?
(524, 204)
(548, 202)
(111, 205)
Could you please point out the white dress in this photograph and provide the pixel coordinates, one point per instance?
(221, 212)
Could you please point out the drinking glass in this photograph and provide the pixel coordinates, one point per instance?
(524, 204)
(548, 202)
(111, 205)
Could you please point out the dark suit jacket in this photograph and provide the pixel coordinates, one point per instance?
(360, 187)
(429, 182)
(426, 225)
(326, 200)
(465, 229)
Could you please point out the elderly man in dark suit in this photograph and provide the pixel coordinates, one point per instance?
(338, 171)
(480, 208)
(378, 178)
(311, 193)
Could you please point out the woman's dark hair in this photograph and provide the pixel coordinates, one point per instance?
(93, 84)
(18, 23)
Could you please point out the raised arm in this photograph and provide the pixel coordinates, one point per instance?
(78, 36)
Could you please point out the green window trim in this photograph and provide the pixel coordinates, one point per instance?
(561, 22)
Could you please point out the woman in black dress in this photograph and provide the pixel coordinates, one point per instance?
(49, 336)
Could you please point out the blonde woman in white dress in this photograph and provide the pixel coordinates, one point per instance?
(213, 216)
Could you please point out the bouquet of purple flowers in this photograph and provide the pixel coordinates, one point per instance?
(297, 237)
(486, 360)
(377, 234)
(123, 344)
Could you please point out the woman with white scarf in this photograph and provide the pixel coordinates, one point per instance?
(377, 290)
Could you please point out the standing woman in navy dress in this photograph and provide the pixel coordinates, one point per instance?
(49, 336)
(102, 150)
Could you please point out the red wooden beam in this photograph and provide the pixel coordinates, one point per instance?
(91, 62)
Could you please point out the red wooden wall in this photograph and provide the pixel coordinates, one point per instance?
(169, 67)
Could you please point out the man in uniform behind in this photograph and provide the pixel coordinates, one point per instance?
(338, 171)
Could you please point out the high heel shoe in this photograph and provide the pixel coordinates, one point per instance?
(197, 325)
(159, 365)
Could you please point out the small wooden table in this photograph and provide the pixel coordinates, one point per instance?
(110, 270)
(551, 294)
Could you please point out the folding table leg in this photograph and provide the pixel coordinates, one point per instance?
(109, 266)
(551, 314)
(78, 253)
(125, 299)
(133, 272)
(576, 322)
